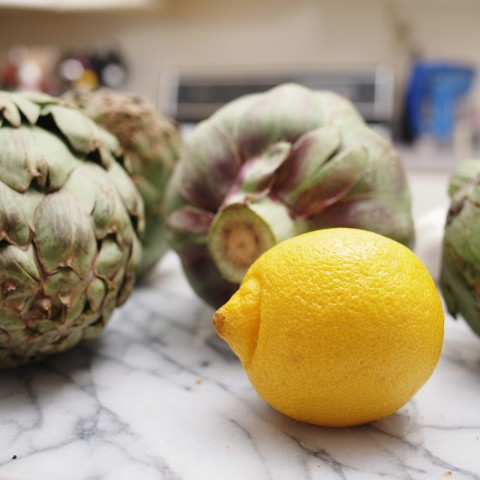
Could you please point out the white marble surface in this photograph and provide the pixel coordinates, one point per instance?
(159, 396)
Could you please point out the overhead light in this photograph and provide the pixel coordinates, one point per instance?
(79, 5)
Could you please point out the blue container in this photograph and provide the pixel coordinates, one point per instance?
(432, 94)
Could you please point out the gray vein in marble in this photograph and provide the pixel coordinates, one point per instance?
(256, 450)
(100, 425)
(417, 448)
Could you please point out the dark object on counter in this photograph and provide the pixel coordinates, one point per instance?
(92, 70)
(433, 92)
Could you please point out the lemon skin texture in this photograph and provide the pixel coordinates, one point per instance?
(336, 327)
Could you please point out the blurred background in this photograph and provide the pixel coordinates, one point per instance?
(409, 65)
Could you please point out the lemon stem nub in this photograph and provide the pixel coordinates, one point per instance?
(241, 232)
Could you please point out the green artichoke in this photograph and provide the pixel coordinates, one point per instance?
(70, 221)
(272, 165)
(152, 145)
(460, 271)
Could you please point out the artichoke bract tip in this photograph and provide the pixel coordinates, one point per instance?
(271, 165)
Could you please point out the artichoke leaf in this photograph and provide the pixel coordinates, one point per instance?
(384, 173)
(209, 167)
(190, 220)
(78, 129)
(52, 170)
(109, 146)
(19, 169)
(257, 174)
(376, 214)
(74, 306)
(167, 148)
(92, 187)
(60, 340)
(74, 337)
(67, 292)
(228, 115)
(204, 275)
(129, 195)
(175, 196)
(9, 111)
(465, 173)
(11, 332)
(107, 158)
(284, 113)
(41, 98)
(150, 193)
(19, 266)
(328, 184)
(109, 258)
(19, 279)
(336, 109)
(154, 243)
(95, 294)
(134, 260)
(462, 230)
(64, 234)
(82, 184)
(30, 201)
(44, 325)
(473, 193)
(11, 322)
(61, 284)
(29, 109)
(309, 153)
(95, 328)
(16, 166)
(14, 226)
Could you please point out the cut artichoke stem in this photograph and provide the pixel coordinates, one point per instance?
(242, 244)
(241, 232)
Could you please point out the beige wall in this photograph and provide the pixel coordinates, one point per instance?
(259, 33)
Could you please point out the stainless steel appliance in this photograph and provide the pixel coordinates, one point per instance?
(191, 94)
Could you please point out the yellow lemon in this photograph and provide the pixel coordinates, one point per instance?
(335, 327)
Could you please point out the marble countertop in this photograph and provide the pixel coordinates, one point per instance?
(159, 396)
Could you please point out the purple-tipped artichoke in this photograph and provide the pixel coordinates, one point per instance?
(152, 144)
(460, 273)
(70, 220)
(269, 166)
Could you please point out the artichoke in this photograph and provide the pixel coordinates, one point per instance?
(152, 144)
(460, 270)
(272, 165)
(70, 221)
